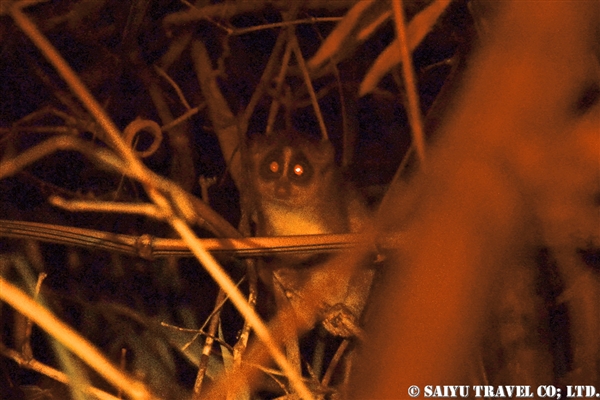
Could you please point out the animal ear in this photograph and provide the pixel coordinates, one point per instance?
(325, 152)
(259, 144)
(256, 141)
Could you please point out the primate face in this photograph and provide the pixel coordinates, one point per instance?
(296, 186)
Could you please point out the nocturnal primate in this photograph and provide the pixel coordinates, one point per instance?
(297, 189)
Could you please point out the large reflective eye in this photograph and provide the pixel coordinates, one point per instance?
(274, 167)
(271, 166)
(298, 170)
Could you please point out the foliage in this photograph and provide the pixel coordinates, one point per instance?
(186, 84)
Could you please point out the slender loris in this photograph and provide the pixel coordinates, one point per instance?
(298, 188)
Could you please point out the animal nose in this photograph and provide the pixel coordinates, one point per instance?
(283, 189)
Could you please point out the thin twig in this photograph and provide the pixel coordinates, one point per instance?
(147, 246)
(242, 343)
(174, 85)
(190, 206)
(183, 117)
(221, 277)
(26, 349)
(215, 318)
(309, 85)
(334, 362)
(70, 339)
(50, 372)
(147, 209)
(285, 63)
(71, 78)
(414, 109)
(309, 21)
(263, 84)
